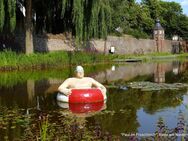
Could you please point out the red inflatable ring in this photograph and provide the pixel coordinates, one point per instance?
(86, 96)
(82, 96)
(79, 108)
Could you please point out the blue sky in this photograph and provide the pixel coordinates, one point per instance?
(183, 3)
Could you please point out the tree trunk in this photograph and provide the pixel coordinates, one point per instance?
(29, 28)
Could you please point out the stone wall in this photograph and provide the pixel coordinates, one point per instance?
(167, 46)
(44, 44)
(130, 71)
(127, 45)
(123, 45)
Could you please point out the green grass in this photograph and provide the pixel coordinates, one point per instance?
(154, 56)
(11, 61)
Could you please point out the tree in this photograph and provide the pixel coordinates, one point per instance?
(153, 6)
(131, 17)
(182, 28)
(90, 18)
(85, 19)
(2, 14)
(8, 22)
(28, 28)
(173, 19)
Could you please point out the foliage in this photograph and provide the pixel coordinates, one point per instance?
(139, 19)
(2, 14)
(90, 18)
(154, 8)
(12, 61)
(171, 13)
(86, 19)
(12, 14)
(8, 18)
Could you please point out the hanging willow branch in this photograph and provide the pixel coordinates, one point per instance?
(91, 18)
(78, 18)
(2, 14)
(100, 18)
(11, 17)
(12, 14)
(65, 4)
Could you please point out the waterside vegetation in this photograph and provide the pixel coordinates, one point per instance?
(11, 61)
(88, 19)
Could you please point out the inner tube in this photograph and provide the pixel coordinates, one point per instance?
(85, 107)
(82, 96)
(79, 108)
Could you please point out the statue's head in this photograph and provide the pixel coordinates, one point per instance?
(79, 72)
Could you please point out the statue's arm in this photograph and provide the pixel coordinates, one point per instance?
(100, 86)
(64, 87)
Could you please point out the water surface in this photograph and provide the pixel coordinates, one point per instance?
(28, 104)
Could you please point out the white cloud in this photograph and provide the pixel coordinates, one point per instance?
(184, 3)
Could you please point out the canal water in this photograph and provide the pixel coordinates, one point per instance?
(29, 109)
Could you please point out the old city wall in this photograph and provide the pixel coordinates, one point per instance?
(123, 45)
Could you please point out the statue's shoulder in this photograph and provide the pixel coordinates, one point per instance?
(70, 79)
(89, 78)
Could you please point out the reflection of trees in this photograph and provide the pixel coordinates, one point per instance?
(15, 96)
(121, 118)
(11, 79)
(124, 105)
(151, 100)
(120, 122)
(162, 99)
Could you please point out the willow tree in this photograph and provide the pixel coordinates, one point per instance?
(12, 14)
(8, 8)
(2, 14)
(90, 18)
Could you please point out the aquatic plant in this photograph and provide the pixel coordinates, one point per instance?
(150, 86)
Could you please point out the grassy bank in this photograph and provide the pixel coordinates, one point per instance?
(153, 57)
(13, 61)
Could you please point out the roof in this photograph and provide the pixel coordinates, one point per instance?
(158, 25)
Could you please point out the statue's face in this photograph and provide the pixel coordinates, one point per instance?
(80, 74)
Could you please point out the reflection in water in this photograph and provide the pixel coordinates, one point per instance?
(83, 109)
(159, 74)
(30, 89)
(176, 67)
(122, 107)
(126, 111)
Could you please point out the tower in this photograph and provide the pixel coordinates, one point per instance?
(159, 36)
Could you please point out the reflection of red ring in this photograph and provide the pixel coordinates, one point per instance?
(85, 96)
(79, 108)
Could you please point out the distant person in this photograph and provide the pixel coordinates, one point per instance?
(80, 82)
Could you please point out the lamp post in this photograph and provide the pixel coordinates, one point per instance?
(175, 44)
